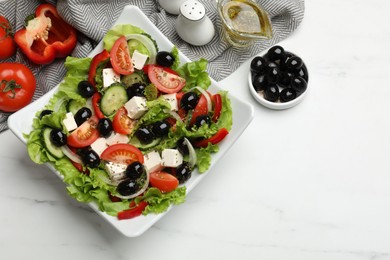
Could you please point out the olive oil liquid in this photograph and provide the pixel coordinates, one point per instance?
(244, 21)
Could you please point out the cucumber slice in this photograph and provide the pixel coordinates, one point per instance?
(74, 106)
(54, 150)
(137, 143)
(113, 99)
(135, 77)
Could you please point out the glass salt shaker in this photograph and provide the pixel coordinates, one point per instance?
(193, 25)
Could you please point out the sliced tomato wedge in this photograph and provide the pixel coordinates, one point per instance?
(218, 137)
(95, 105)
(85, 134)
(96, 61)
(163, 181)
(122, 123)
(217, 101)
(200, 109)
(134, 211)
(120, 57)
(164, 80)
(122, 153)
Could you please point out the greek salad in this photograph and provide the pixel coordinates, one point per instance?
(128, 127)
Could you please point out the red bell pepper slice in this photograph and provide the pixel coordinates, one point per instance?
(134, 211)
(95, 105)
(95, 63)
(218, 137)
(47, 36)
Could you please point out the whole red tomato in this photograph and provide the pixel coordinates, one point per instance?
(7, 43)
(17, 86)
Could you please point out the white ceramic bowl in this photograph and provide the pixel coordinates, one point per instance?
(259, 97)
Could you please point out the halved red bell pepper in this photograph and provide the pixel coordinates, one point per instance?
(47, 36)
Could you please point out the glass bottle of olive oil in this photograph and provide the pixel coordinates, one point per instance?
(244, 21)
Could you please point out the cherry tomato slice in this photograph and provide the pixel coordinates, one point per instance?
(218, 137)
(163, 181)
(120, 57)
(122, 153)
(85, 134)
(95, 105)
(200, 109)
(122, 123)
(217, 107)
(134, 211)
(165, 81)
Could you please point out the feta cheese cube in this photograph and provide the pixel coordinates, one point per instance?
(172, 100)
(99, 145)
(117, 171)
(109, 77)
(171, 158)
(139, 59)
(69, 122)
(116, 138)
(152, 161)
(136, 107)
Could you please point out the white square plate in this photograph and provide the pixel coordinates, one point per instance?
(21, 122)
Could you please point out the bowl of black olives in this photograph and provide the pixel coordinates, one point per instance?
(278, 79)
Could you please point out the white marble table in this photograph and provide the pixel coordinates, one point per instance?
(312, 182)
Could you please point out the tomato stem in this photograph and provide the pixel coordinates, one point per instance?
(10, 86)
(7, 28)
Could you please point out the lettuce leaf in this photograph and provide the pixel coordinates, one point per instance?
(159, 202)
(117, 31)
(195, 74)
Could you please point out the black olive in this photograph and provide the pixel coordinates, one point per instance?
(104, 127)
(299, 84)
(302, 72)
(287, 95)
(282, 62)
(258, 64)
(127, 187)
(82, 115)
(45, 112)
(189, 100)
(58, 138)
(144, 135)
(294, 63)
(182, 146)
(273, 75)
(275, 53)
(271, 93)
(90, 158)
(285, 79)
(201, 120)
(160, 128)
(259, 82)
(137, 89)
(85, 89)
(183, 172)
(165, 59)
(135, 170)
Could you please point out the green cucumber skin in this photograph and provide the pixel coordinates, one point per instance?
(53, 150)
(113, 99)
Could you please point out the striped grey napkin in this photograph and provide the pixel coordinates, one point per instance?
(93, 18)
